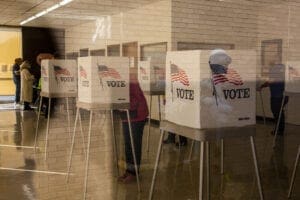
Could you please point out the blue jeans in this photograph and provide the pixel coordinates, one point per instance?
(275, 107)
(137, 134)
(17, 82)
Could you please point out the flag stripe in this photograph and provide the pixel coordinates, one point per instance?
(109, 72)
(179, 75)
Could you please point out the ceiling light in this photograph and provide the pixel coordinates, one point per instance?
(55, 6)
(64, 2)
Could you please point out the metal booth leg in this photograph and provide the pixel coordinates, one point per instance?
(68, 113)
(294, 173)
(81, 132)
(47, 130)
(156, 164)
(87, 156)
(191, 150)
(207, 171)
(114, 141)
(278, 121)
(72, 144)
(159, 108)
(263, 108)
(256, 168)
(201, 170)
(133, 151)
(149, 122)
(37, 124)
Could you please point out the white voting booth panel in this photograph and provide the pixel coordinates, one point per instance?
(292, 77)
(103, 79)
(292, 88)
(59, 76)
(151, 75)
(191, 99)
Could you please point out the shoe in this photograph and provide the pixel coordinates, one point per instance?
(181, 144)
(168, 141)
(121, 178)
(130, 178)
(28, 108)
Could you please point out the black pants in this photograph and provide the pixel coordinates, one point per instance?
(18, 89)
(275, 107)
(137, 134)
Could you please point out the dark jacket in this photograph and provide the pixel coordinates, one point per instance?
(16, 72)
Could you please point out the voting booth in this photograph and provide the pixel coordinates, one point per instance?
(151, 75)
(292, 87)
(58, 80)
(210, 99)
(103, 80)
(59, 77)
(210, 95)
(103, 85)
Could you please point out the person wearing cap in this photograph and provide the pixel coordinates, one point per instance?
(219, 61)
(26, 85)
(138, 117)
(17, 78)
(276, 83)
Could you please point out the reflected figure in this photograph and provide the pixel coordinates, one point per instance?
(27, 127)
(276, 83)
(17, 129)
(278, 165)
(17, 78)
(138, 115)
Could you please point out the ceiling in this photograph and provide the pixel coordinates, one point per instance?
(12, 12)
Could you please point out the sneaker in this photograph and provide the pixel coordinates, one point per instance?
(121, 178)
(130, 178)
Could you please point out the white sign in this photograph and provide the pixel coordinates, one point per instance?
(200, 96)
(59, 76)
(151, 75)
(103, 79)
(292, 77)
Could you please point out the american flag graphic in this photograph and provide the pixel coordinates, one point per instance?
(293, 72)
(61, 71)
(143, 70)
(105, 71)
(82, 72)
(178, 74)
(221, 75)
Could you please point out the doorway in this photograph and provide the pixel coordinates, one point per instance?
(10, 48)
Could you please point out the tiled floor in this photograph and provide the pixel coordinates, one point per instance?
(25, 174)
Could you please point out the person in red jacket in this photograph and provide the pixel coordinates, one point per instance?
(138, 115)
